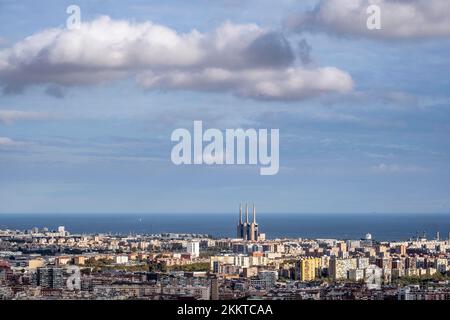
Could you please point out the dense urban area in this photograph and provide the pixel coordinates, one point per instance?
(47, 264)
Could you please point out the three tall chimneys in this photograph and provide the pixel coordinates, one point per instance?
(246, 213)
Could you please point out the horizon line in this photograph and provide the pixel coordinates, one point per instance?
(220, 213)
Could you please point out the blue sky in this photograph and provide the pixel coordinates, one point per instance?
(374, 138)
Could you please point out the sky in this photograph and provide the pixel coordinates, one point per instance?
(86, 115)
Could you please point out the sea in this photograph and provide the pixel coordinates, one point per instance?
(382, 227)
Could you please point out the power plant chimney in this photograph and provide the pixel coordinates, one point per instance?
(246, 213)
(240, 213)
(245, 230)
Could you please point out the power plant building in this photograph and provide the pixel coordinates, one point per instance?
(247, 230)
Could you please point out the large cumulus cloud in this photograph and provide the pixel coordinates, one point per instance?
(400, 19)
(243, 59)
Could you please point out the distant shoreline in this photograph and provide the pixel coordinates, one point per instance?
(383, 227)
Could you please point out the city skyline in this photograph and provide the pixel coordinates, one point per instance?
(86, 118)
(61, 265)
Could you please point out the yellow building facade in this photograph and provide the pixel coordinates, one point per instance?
(309, 268)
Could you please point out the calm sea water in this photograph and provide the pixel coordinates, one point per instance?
(342, 226)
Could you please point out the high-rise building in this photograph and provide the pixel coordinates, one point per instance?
(51, 278)
(193, 247)
(339, 267)
(309, 268)
(247, 230)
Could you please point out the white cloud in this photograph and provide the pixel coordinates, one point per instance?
(230, 58)
(288, 84)
(8, 142)
(11, 116)
(400, 19)
(396, 168)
